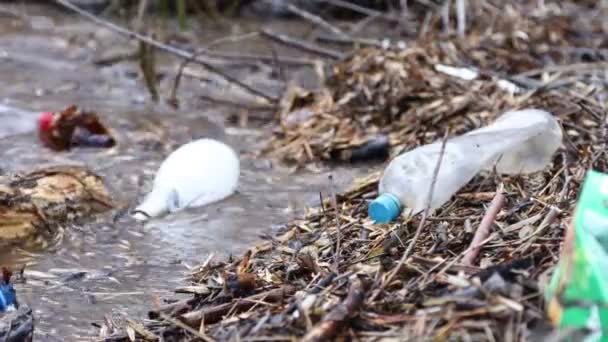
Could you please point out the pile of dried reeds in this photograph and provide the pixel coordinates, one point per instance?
(477, 270)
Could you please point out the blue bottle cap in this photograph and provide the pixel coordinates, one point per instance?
(385, 208)
(7, 296)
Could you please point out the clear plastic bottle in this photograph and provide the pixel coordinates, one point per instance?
(522, 141)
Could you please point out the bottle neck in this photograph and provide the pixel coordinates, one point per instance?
(154, 205)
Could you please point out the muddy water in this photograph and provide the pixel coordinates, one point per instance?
(104, 265)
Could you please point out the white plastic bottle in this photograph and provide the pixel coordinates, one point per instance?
(196, 174)
(517, 142)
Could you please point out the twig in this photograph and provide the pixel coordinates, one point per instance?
(165, 47)
(340, 314)
(261, 58)
(527, 241)
(173, 95)
(141, 11)
(147, 64)
(562, 68)
(361, 24)
(321, 285)
(179, 324)
(141, 329)
(233, 39)
(302, 45)
(5, 12)
(172, 309)
(349, 40)
(484, 227)
(314, 19)
(235, 104)
(425, 214)
(552, 215)
(282, 74)
(214, 314)
(251, 59)
(334, 203)
(359, 9)
(116, 58)
(453, 262)
(247, 58)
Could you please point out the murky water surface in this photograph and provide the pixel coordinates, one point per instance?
(101, 266)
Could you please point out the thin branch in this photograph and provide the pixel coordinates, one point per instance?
(302, 45)
(236, 104)
(334, 203)
(215, 314)
(198, 333)
(339, 316)
(141, 11)
(314, 19)
(176, 82)
(349, 41)
(166, 48)
(359, 9)
(483, 231)
(574, 67)
(233, 38)
(295, 61)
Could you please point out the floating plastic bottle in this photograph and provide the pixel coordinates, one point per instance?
(196, 174)
(517, 142)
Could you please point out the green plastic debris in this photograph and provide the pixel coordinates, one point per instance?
(577, 296)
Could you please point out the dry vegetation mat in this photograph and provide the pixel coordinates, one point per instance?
(334, 273)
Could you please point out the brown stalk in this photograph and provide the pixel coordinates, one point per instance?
(331, 324)
(484, 228)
